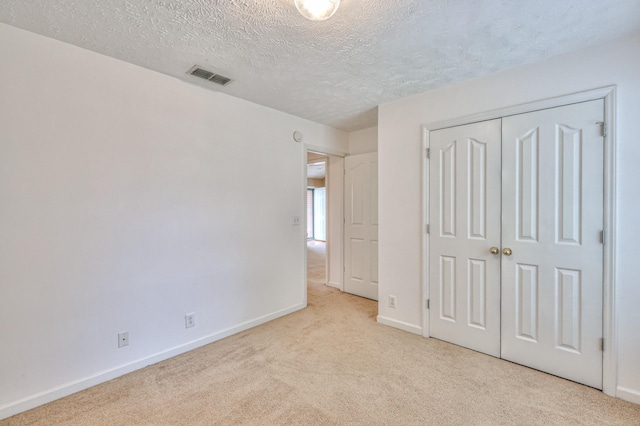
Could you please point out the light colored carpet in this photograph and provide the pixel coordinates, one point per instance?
(333, 364)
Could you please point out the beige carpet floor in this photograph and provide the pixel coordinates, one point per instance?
(333, 364)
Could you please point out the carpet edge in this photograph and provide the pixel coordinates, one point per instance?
(12, 408)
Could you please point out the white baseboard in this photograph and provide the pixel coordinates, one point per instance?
(13, 408)
(401, 325)
(335, 285)
(627, 394)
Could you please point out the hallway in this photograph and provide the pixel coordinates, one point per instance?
(316, 262)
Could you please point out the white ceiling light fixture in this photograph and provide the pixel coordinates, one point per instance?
(317, 10)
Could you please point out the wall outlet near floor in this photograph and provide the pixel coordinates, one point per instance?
(123, 339)
(392, 301)
(189, 320)
(296, 220)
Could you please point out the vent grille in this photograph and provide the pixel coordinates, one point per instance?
(209, 76)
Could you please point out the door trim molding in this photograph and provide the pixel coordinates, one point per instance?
(568, 99)
(609, 315)
(426, 144)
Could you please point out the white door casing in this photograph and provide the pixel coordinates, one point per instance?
(464, 179)
(552, 185)
(361, 225)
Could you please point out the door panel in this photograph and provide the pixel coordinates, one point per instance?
(448, 190)
(465, 222)
(476, 311)
(357, 259)
(361, 225)
(477, 189)
(526, 175)
(552, 192)
(374, 263)
(527, 302)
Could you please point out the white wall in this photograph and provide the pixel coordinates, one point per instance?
(363, 141)
(400, 176)
(128, 199)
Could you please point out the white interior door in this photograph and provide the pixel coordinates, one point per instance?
(552, 185)
(320, 214)
(464, 216)
(361, 225)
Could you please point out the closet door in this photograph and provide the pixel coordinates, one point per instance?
(464, 211)
(552, 261)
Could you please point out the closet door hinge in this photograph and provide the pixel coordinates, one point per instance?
(603, 128)
(602, 237)
(427, 229)
(428, 304)
(602, 344)
(428, 152)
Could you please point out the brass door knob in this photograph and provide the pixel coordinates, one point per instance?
(494, 250)
(507, 251)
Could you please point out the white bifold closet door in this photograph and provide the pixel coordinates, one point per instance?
(464, 176)
(516, 259)
(552, 210)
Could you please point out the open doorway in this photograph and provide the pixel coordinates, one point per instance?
(324, 219)
(316, 198)
(316, 219)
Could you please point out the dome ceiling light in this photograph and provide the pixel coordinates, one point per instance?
(317, 10)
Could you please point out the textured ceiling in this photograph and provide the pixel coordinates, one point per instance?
(316, 170)
(337, 71)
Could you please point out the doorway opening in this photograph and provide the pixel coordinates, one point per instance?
(346, 238)
(324, 219)
(316, 199)
(316, 219)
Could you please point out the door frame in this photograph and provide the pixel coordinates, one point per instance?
(306, 148)
(609, 315)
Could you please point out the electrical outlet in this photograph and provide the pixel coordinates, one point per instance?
(189, 320)
(123, 339)
(296, 220)
(392, 301)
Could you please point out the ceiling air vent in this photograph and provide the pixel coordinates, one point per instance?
(209, 76)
